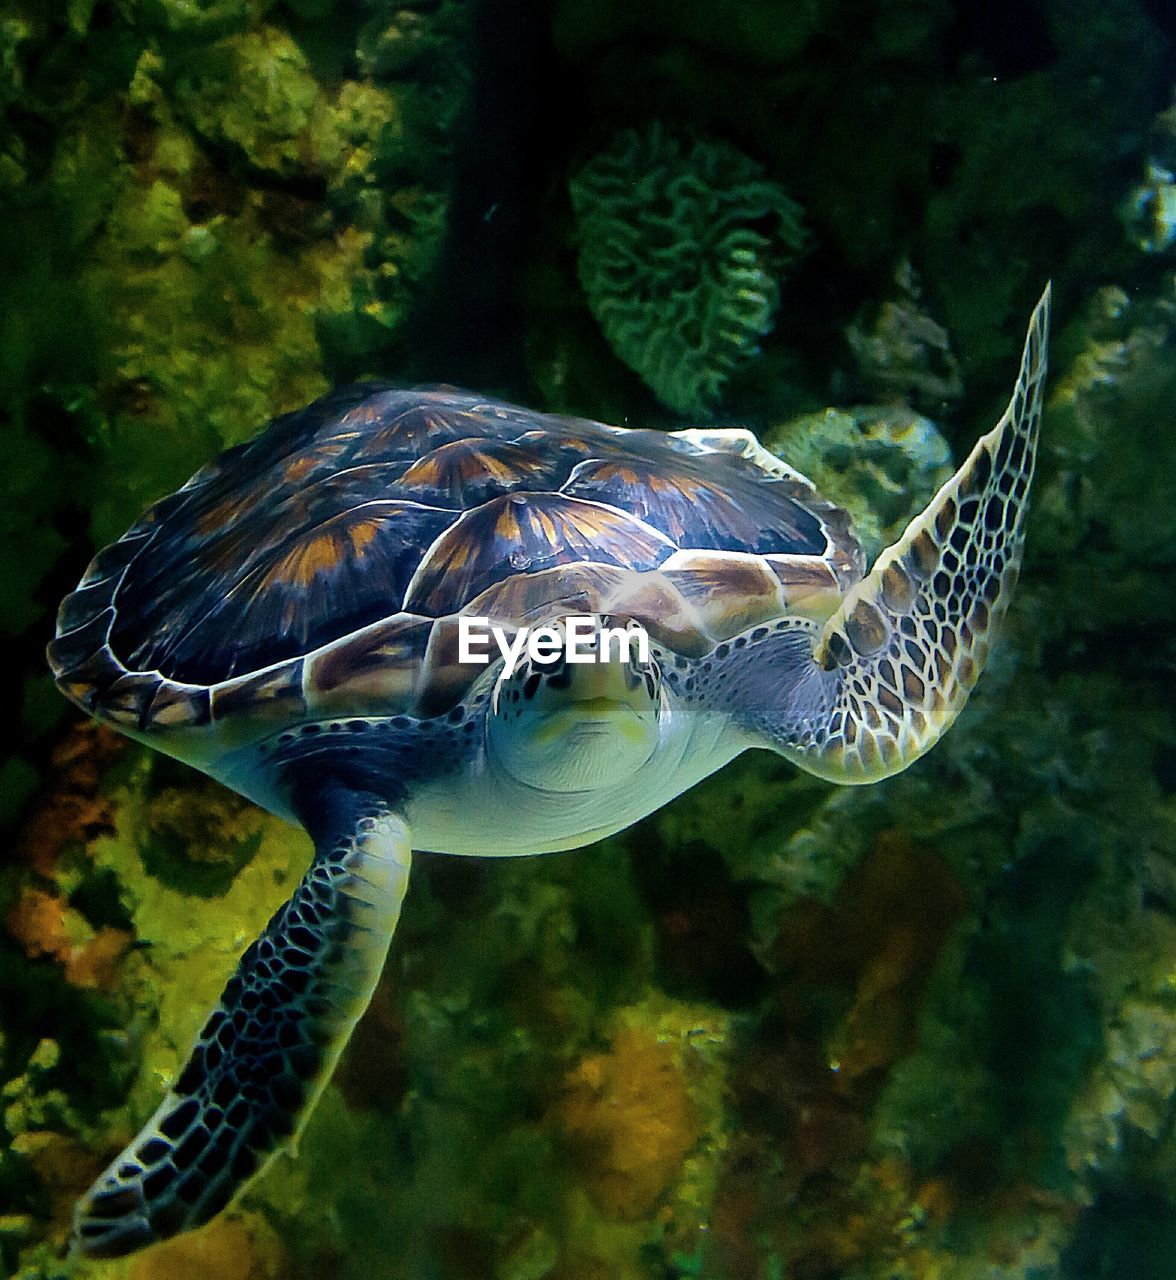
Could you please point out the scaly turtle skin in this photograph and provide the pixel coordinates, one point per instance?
(288, 622)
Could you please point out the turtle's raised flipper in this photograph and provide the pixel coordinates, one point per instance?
(270, 1044)
(895, 663)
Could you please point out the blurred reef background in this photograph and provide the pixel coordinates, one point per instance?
(924, 1030)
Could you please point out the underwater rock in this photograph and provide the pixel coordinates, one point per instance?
(880, 939)
(233, 1247)
(207, 19)
(16, 33)
(1107, 407)
(254, 91)
(44, 925)
(60, 1164)
(881, 463)
(198, 836)
(902, 354)
(682, 246)
(48, 1152)
(77, 808)
(30, 1103)
(1149, 211)
(1124, 1115)
(628, 1117)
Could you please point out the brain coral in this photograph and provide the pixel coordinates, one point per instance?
(681, 247)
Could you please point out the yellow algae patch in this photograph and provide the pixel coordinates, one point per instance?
(228, 1248)
(189, 942)
(633, 1114)
(45, 925)
(64, 1168)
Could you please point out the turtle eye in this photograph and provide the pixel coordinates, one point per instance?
(635, 631)
(531, 684)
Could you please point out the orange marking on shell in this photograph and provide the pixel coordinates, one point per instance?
(366, 411)
(425, 471)
(297, 567)
(461, 551)
(506, 527)
(298, 468)
(304, 563)
(495, 466)
(547, 528)
(461, 464)
(694, 487)
(219, 516)
(578, 443)
(362, 534)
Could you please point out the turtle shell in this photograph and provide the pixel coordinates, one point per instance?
(319, 570)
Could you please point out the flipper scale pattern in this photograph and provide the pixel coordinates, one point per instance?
(269, 1046)
(909, 641)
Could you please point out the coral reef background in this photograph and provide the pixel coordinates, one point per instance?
(923, 1029)
(681, 247)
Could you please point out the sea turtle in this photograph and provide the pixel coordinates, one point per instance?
(290, 622)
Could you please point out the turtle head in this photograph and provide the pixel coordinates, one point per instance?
(570, 724)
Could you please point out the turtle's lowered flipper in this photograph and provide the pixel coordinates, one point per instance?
(893, 666)
(268, 1048)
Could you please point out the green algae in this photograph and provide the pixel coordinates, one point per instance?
(186, 956)
(882, 465)
(682, 243)
(199, 19)
(219, 323)
(254, 92)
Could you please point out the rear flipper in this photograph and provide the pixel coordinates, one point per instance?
(268, 1048)
(885, 678)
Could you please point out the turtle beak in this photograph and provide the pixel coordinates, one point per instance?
(583, 695)
(575, 726)
(596, 682)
